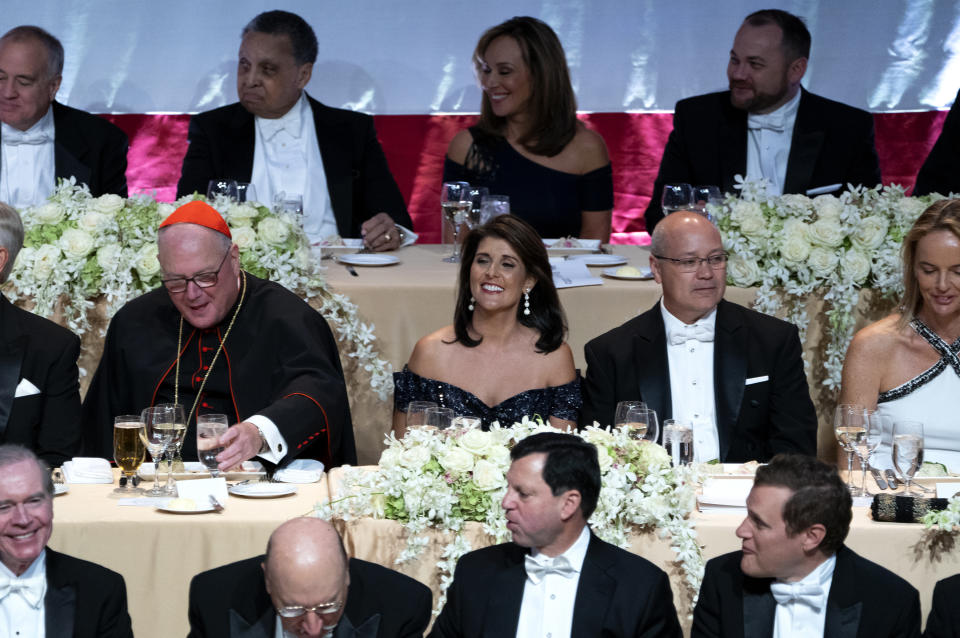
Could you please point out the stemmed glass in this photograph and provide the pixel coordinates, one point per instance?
(641, 424)
(222, 188)
(475, 216)
(849, 425)
(128, 451)
(417, 414)
(868, 443)
(439, 418)
(210, 427)
(676, 197)
(623, 407)
(179, 425)
(907, 450)
(246, 192)
(493, 206)
(704, 197)
(456, 204)
(156, 434)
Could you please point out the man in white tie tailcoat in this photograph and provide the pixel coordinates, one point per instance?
(735, 376)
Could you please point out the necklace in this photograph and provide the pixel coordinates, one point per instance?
(176, 377)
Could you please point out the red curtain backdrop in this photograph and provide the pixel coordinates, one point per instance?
(415, 146)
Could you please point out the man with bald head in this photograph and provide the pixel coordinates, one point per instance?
(735, 375)
(216, 339)
(42, 140)
(306, 586)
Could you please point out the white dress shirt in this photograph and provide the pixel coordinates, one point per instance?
(691, 384)
(286, 159)
(768, 144)
(547, 607)
(27, 173)
(805, 617)
(18, 617)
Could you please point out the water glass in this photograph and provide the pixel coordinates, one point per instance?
(210, 427)
(477, 194)
(246, 192)
(678, 441)
(908, 450)
(439, 418)
(493, 206)
(128, 451)
(705, 199)
(676, 197)
(417, 413)
(222, 188)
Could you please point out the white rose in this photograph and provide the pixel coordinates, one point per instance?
(92, 221)
(794, 248)
(48, 214)
(827, 207)
(109, 204)
(487, 476)
(855, 266)
(742, 208)
(390, 458)
(302, 258)
(45, 260)
(911, 207)
(108, 255)
(795, 202)
(146, 262)
(164, 210)
(743, 272)
(499, 454)
(597, 436)
(754, 226)
(477, 442)
(457, 461)
(241, 214)
(415, 458)
(273, 231)
(76, 243)
(826, 232)
(822, 261)
(653, 456)
(244, 237)
(603, 456)
(871, 232)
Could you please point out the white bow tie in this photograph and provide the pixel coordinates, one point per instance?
(682, 334)
(31, 589)
(13, 137)
(271, 127)
(805, 594)
(770, 121)
(537, 570)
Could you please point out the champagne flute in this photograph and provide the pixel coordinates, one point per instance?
(908, 450)
(849, 421)
(222, 188)
(868, 443)
(156, 434)
(417, 414)
(676, 197)
(455, 203)
(173, 455)
(128, 451)
(210, 427)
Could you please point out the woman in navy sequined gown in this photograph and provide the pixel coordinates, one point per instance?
(528, 143)
(504, 357)
(908, 364)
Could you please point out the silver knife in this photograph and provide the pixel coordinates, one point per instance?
(215, 503)
(879, 479)
(892, 479)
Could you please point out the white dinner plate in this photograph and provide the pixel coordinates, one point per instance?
(585, 246)
(60, 488)
(600, 260)
(201, 509)
(368, 259)
(645, 273)
(196, 470)
(262, 490)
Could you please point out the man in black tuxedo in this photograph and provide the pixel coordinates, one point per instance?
(43, 592)
(940, 172)
(337, 165)
(42, 140)
(734, 374)
(766, 125)
(555, 578)
(944, 618)
(794, 576)
(39, 380)
(306, 585)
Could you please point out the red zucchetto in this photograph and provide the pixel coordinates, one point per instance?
(199, 213)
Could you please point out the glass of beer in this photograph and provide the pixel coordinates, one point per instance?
(128, 451)
(210, 427)
(174, 458)
(156, 432)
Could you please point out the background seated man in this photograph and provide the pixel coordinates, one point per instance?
(43, 592)
(39, 380)
(306, 586)
(944, 618)
(556, 578)
(794, 576)
(734, 374)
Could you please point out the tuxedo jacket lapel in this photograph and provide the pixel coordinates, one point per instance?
(240, 627)
(339, 173)
(759, 608)
(13, 344)
(594, 592)
(368, 629)
(504, 604)
(65, 161)
(729, 372)
(733, 145)
(242, 142)
(60, 607)
(805, 147)
(650, 359)
(843, 606)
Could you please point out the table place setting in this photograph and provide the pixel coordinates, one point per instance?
(87, 470)
(572, 274)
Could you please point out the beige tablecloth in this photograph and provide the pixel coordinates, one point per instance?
(158, 553)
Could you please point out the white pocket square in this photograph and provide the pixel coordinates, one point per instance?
(753, 380)
(25, 389)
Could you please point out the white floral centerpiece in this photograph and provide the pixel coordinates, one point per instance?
(77, 247)
(791, 245)
(946, 521)
(441, 480)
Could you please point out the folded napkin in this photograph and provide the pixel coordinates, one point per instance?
(572, 273)
(84, 469)
(725, 494)
(300, 471)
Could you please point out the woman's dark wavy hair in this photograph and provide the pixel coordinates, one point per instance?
(552, 104)
(546, 314)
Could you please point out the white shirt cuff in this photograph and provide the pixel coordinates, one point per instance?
(275, 440)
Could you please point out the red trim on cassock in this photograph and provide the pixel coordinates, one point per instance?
(326, 425)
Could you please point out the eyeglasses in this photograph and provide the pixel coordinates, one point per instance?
(692, 264)
(201, 279)
(323, 609)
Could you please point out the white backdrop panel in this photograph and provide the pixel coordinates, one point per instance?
(137, 56)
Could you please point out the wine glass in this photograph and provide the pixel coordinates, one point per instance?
(466, 422)
(641, 423)
(210, 427)
(705, 198)
(868, 443)
(652, 433)
(676, 197)
(620, 415)
(493, 206)
(477, 195)
(849, 425)
(246, 192)
(439, 418)
(176, 444)
(417, 414)
(156, 434)
(128, 451)
(455, 203)
(222, 188)
(907, 450)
